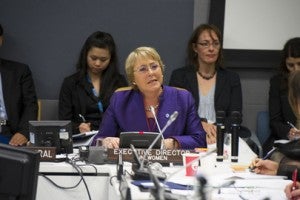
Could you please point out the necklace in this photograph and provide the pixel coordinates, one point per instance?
(206, 77)
(148, 108)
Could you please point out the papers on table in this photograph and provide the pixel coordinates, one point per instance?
(83, 139)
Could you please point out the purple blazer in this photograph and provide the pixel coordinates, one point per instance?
(126, 112)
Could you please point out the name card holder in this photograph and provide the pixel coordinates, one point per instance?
(163, 156)
(46, 153)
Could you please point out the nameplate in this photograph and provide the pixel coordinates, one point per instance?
(155, 155)
(46, 153)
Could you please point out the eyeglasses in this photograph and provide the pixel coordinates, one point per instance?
(215, 44)
(293, 65)
(143, 69)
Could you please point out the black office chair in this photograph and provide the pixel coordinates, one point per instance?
(261, 134)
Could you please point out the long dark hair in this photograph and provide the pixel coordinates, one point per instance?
(1, 30)
(294, 92)
(110, 77)
(290, 49)
(192, 59)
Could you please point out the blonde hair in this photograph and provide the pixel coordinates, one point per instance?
(140, 52)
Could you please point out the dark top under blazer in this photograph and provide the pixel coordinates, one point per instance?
(228, 91)
(279, 109)
(19, 97)
(76, 96)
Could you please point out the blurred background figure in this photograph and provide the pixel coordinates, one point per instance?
(290, 159)
(279, 107)
(18, 101)
(213, 87)
(84, 95)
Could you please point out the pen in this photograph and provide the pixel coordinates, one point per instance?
(295, 175)
(269, 153)
(292, 125)
(82, 117)
(265, 157)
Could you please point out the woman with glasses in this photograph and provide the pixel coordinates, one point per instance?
(134, 108)
(279, 108)
(84, 96)
(213, 87)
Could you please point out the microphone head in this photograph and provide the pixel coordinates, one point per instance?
(152, 109)
(236, 117)
(174, 116)
(220, 117)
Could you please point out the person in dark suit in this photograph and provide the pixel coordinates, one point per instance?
(213, 87)
(130, 107)
(290, 159)
(18, 101)
(280, 110)
(84, 96)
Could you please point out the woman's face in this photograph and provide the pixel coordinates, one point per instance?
(147, 75)
(292, 63)
(207, 47)
(98, 59)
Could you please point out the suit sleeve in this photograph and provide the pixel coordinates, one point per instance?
(279, 128)
(287, 170)
(176, 79)
(29, 102)
(193, 135)
(109, 125)
(65, 104)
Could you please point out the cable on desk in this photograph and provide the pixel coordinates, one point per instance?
(79, 170)
(111, 178)
(80, 173)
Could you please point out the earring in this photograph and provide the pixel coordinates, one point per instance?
(133, 83)
(196, 55)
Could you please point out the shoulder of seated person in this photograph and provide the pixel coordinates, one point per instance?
(123, 89)
(179, 88)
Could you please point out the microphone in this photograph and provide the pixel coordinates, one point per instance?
(120, 170)
(158, 190)
(141, 173)
(220, 119)
(235, 126)
(161, 191)
(202, 183)
(169, 122)
(152, 109)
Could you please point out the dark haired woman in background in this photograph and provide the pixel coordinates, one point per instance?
(290, 159)
(84, 96)
(213, 87)
(279, 108)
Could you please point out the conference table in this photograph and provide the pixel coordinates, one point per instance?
(100, 181)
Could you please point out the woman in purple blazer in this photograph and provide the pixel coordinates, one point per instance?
(129, 108)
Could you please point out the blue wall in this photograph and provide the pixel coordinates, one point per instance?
(48, 34)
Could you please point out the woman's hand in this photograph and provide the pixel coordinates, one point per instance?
(211, 132)
(267, 167)
(170, 143)
(292, 194)
(111, 142)
(84, 127)
(294, 134)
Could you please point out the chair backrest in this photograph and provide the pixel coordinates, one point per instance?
(48, 109)
(263, 126)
